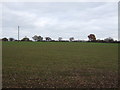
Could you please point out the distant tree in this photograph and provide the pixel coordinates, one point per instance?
(4, 39)
(11, 39)
(115, 41)
(92, 37)
(37, 38)
(40, 38)
(25, 39)
(60, 39)
(71, 39)
(109, 39)
(48, 38)
(98, 40)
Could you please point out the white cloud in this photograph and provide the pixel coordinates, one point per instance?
(44, 21)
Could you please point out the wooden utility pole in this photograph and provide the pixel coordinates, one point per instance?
(18, 33)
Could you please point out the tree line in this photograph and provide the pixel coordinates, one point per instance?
(91, 38)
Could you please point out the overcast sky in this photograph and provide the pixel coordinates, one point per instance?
(60, 19)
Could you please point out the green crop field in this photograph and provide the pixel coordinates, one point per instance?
(59, 65)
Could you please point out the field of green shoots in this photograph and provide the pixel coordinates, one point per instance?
(59, 65)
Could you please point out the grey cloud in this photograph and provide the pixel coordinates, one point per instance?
(61, 19)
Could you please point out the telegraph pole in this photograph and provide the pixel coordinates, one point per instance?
(18, 33)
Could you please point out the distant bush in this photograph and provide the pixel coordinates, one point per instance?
(25, 39)
(4, 39)
(11, 39)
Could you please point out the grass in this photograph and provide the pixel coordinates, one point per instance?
(59, 65)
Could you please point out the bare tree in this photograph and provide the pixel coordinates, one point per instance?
(71, 39)
(40, 38)
(37, 38)
(109, 39)
(48, 38)
(92, 37)
(60, 39)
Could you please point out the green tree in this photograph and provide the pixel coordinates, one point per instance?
(11, 39)
(4, 39)
(25, 39)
